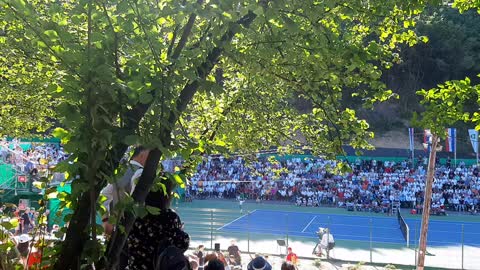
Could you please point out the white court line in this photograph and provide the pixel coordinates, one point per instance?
(225, 225)
(314, 217)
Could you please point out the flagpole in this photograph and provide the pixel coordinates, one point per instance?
(477, 150)
(412, 145)
(413, 157)
(455, 150)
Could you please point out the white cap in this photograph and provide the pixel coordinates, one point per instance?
(24, 238)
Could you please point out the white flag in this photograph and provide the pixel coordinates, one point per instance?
(473, 139)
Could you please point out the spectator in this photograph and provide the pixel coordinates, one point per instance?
(170, 258)
(327, 243)
(215, 264)
(23, 247)
(259, 263)
(200, 256)
(234, 252)
(288, 266)
(115, 192)
(291, 257)
(26, 223)
(153, 233)
(194, 265)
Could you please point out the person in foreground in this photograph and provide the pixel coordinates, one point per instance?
(259, 263)
(215, 264)
(115, 192)
(153, 234)
(234, 254)
(288, 266)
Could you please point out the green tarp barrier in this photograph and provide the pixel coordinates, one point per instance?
(24, 146)
(54, 206)
(6, 174)
(36, 140)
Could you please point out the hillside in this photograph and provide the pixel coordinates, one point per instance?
(452, 52)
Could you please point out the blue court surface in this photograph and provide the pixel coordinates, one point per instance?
(356, 228)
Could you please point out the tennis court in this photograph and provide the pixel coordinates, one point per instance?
(359, 228)
(453, 241)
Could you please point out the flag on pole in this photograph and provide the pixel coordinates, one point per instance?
(427, 139)
(410, 136)
(473, 139)
(451, 141)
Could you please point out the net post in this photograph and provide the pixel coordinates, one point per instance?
(408, 236)
(404, 228)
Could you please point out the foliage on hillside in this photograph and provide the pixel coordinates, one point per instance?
(451, 53)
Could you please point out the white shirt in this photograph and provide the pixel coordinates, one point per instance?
(109, 189)
(327, 238)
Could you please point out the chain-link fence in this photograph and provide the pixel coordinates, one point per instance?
(374, 239)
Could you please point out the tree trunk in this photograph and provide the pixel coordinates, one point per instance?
(427, 203)
(77, 235)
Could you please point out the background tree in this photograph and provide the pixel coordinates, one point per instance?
(444, 106)
(188, 77)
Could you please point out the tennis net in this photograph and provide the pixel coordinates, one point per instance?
(404, 227)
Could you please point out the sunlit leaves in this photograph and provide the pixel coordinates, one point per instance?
(445, 105)
(464, 5)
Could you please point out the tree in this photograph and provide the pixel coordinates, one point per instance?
(444, 106)
(192, 77)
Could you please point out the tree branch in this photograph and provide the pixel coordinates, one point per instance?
(118, 70)
(186, 33)
(155, 55)
(38, 34)
(206, 67)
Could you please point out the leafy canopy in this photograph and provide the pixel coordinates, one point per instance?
(189, 77)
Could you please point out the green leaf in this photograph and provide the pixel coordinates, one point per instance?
(131, 139)
(178, 179)
(139, 210)
(153, 210)
(52, 34)
(135, 85)
(145, 98)
(39, 185)
(60, 133)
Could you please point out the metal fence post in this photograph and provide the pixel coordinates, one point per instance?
(328, 237)
(371, 235)
(211, 228)
(248, 232)
(416, 244)
(462, 243)
(287, 229)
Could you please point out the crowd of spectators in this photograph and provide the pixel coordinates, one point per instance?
(371, 185)
(33, 158)
(231, 259)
